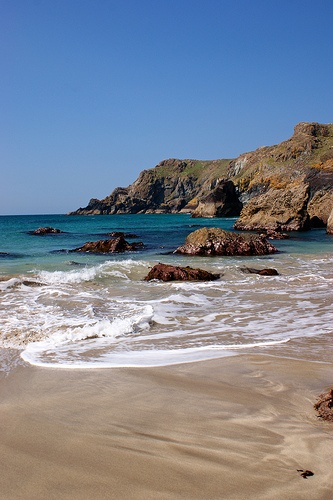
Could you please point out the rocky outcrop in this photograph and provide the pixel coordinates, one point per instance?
(278, 210)
(41, 231)
(166, 272)
(115, 245)
(324, 405)
(216, 241)
(223, 201)
(330, 223)
(166, 188)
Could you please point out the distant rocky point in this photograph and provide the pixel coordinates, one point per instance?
(285, 187)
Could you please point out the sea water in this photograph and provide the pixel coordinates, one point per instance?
(73, 310)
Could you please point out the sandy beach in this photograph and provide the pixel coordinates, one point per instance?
(232, 428)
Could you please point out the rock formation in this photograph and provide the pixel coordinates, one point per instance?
(166, 272)
(166, 188)
(320, 207)
(114, 245)
(222, 201)
(288, 185)
(284, 210)
(216, 241)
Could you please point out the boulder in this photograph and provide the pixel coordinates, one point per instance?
(277, 209)
(324, 405)
(114, 245)
(216, 241)
(166, 272)
(329, 228)
(41, 231)
(263, 272)
(221, 202)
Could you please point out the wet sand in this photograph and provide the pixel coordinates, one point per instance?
(234, 428)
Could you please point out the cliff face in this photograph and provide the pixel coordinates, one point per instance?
(287, 186)
(167, 188)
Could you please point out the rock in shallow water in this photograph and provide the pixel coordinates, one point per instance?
(166, 272)
(216, 241)
(263, 272)
(115, 245)
(45, 230)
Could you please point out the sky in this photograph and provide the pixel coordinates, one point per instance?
(94, 91)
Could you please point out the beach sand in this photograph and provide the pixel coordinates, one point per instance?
(233, 428)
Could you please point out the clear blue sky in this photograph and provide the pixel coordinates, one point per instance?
(94, 91)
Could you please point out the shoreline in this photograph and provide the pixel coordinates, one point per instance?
(236, 427)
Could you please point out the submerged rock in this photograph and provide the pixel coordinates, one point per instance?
(216, 241)
(324, 405)
(166, 272)
(117, 234)
(115, 245)
(263, 272)
(45, 230)
(274, 235)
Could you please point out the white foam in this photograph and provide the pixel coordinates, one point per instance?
(139, 359)
(117, 269)
(10, 283)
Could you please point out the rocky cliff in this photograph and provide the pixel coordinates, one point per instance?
(171, 186)
(287, 186)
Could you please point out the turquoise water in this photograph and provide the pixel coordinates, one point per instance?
(72, 310)
(160, 233)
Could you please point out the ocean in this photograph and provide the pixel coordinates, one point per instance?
(71, 310)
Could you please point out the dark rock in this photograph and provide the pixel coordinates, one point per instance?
(41, 231)
(262, 272)
(166, 272)
(7, 255)
(216, 241)
(32, 283)
(305, 473)
(115, 245)
(223, 201)
(324, 405)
